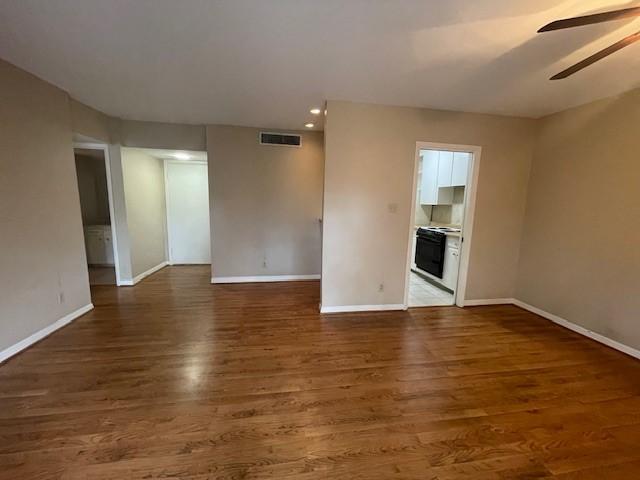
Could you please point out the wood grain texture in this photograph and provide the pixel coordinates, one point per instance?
(177, 378)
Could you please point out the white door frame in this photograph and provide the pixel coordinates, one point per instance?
(468, 215)
(107, 165)
(167, 197)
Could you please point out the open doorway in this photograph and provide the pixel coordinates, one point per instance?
(441, 220)
(95, 205)
(187, 194)
(166, 195)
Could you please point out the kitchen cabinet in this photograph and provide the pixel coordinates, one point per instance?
(99, 245)
(459, 169)
(451, 262)
(441, 171)
(430, 192)
(445, 168)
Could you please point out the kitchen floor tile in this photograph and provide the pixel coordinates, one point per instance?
(423, 293)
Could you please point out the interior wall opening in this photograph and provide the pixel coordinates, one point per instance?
(93, 189)
(441, 193)
(188, 229)
(166, 195)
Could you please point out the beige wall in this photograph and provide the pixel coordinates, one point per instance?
(369, 161)
(175, 136)
(144, 194)
(122, 244)
(581, 243)
(265, 204)
(89, 122)
(41, 242)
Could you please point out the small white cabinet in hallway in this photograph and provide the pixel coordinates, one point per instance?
(98, 244)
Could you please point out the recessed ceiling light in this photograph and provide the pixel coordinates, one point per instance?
(315, 111)
(182, 156)
(309, 125)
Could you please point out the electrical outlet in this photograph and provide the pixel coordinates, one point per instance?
(61, 297)
(264, 264)
(392, 208)
(381, 287)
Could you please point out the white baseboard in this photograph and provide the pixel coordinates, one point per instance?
(579, 329)
(559, 321)
(363, 308)
(489, 301)
(143, 275)
(265, 278)
(40, 334)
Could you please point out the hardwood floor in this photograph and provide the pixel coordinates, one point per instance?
(177, 378)
(102, 275)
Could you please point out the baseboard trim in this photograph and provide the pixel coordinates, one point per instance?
(45, 332)
(363, 308)
(265, 278)
(143, 275)
(621, 347)
(579, 329)
(489, 301)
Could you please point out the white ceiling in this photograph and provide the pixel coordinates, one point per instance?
(266, 62)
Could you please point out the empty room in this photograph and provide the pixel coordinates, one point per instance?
(298, 239)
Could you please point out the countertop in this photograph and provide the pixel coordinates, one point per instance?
(448, 234)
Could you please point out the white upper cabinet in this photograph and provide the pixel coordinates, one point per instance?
(441, 171)
(428, 186)
(445, 169)
(430, 193)
(460, 168)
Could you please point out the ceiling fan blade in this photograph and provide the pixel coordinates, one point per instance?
(590, 19)
(597, 56)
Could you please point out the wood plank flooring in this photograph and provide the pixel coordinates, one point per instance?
(177, 378)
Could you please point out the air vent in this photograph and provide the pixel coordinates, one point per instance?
(282, 139)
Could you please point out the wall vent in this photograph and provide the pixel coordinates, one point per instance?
(280, 139)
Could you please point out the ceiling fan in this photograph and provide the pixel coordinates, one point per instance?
(588, 20)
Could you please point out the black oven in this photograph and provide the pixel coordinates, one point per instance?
(430, 246)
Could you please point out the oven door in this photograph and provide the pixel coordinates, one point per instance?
(430, 254)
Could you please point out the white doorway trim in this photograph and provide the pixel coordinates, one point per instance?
(469, 214)
(168, 199)
(107, 165)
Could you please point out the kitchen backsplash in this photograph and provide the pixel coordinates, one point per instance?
(423, 214)
(445, 214)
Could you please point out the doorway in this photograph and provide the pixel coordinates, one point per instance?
(167, 208)
(92, 174)
(443, 200)
(187, 192)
